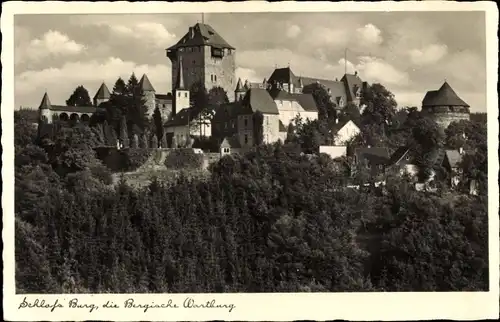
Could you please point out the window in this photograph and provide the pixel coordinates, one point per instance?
(211, 77)
(245, 120)
(215, 77)
(225, 125)
(407, 158)
(194, 62)
(181, 49)
(225, 150)
(185, 95)
(267, 120)
(246, 138)
(368, 166)
(380, 167)
(232, 124)
(179, 94)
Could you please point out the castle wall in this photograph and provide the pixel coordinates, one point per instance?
(245, 130)
(199, 65)
(270, 128)
(223, 68)
(444, 119)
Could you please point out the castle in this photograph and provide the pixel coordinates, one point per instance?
(203, 56)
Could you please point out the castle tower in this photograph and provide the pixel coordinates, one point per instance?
(45, 113)
(240, 91)
(444, 106)
(207, 58)
(181, 93)
(102, 95)
(149, 94)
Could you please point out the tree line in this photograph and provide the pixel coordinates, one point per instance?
(272, 220)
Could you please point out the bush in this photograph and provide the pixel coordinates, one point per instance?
(134, 158)
(184, 159)
(102, 173)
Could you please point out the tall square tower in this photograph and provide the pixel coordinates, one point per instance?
(206, 58)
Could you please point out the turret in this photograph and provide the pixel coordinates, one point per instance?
(102, 95)
(240, 91)
(45, 112)
(149, 94)
(181, 93)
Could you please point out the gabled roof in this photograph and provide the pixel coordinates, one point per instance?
(102, 92)
(200, 35)
(341, 123)
(258, 99)
(398, 155)
(282, 127)
(351, 82)
(454, 158)
(284, 75)
(145, 84)
(375, 155)
(230, 142)
(239, 86)
(305, 100)
(45, 103)
(445, 96)
(183, 117)
(337, 88)
(228, 111)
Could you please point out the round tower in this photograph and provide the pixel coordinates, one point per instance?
(444, 106)
(149, 94)
(45, 112)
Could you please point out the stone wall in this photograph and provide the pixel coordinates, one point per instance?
(444, 119)
(192, 66)
(224, 68)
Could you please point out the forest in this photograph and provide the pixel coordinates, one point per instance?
(271, 220)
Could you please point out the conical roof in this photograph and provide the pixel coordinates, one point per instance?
(445, 96)
(45, 104)
(239, 86)
(180, 76)
(102, 92)
(146, 84)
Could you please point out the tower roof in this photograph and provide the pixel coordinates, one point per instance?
(180, 76)
(45, 104)
(445, 96)
(102, 92)
(239, 86)
(199, 35)
(146, 84)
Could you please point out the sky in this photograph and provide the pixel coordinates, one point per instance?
(408, 52)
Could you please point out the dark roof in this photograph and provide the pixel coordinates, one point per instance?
(164, 96)
(200, 35)
(445, 96)
(45, 103)
(74, 109)
(230, 142)
(239, 86)
(258, 99)
(102, 92)
(180, 76)
(225, 112)
(183, 117)
(454, 157)
(375, 155)
(337, 88)
(284, 75)
(146, 84)
(305, 100)
(398, 155)
(282, 127)
(351, 82)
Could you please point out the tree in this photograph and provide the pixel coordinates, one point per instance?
(380, 105)
(217, 96)
(80, 97)
(124, 133)
(158, 122)
(426, 141)
(258, 124)
(137, 109)
(326, 107)
(350, 112)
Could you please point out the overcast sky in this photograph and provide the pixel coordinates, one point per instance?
(408, 52)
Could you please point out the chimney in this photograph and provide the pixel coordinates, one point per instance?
(356, 73)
